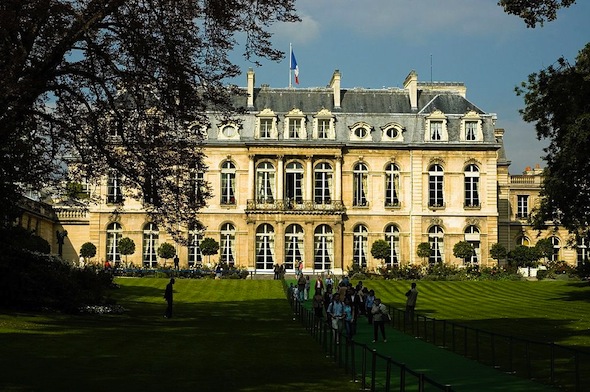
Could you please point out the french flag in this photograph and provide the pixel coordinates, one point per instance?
(295, 67)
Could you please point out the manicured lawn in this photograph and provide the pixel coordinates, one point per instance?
(226, 335)
(547, 311)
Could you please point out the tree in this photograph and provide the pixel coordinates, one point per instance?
(166, 251)
(463, 250)
(558, 102)
(209, 247)
(424, 250)
(380, 250)
(126, 247)
(535, 12)
(523, 256)
(124, 86)
(545, 248)
(88, 250)
(498, 252)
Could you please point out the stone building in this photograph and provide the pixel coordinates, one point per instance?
(319, 174)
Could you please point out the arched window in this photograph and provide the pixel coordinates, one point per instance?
(151, 236)
(228, 183)
(195, 257)
(359, 246)
(472, 236)
(265, 182)
(227, 244)
(294, 183)
(293, 245)
(323, 177)
(360, 186)
(114, 234)
(556, 248)
(392, 238)
(583, 256)
(471, 186)
(114, 192)
(435, 186)
(435, 237)
(523, 240)
(323, 247)
(265, 247)
(391, 185)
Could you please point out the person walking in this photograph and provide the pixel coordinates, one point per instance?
(369, 301)
(168, 296)
(349, 319)
(336, 313)
(307, 287)
(412, 296)
(377, 311)
(301, 287)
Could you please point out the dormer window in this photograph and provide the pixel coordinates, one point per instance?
(266, 125)
(436, 127)
(229, 131)
(471, 129)
(360, 131)
(392, 132)
(324, 125)
(295, 125)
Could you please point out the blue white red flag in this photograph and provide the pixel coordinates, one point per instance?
(295, 67)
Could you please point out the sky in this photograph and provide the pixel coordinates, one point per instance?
(376, 43)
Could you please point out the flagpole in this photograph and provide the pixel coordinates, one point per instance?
(290, 65)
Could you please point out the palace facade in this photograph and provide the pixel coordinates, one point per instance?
(320, 174)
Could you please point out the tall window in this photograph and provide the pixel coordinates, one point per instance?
(151, 236)
(228, 183)
(323, 128)
(150, 190)
(436, 130)
(227, 244)
(114, 234)
(522, 206)
(114, 194)
(583, 256)
(359, 246)
(392, 238)
(471, 130)
(323, 177)
(265, 128)
(360, 176)
(556, 248)
(435, 186)
(265, 247)
(471, 186)
(295, 128)
(294, 183)
(435, 237)
(195, 257)
(265, 182)
(391, 185)
(472, 236)
(293, 245)
(323, 246)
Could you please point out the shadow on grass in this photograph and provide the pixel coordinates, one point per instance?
(251, 345)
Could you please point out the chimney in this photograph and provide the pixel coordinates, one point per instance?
(335, 85)
(251, 81)
(411, 85)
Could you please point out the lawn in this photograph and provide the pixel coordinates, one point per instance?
(226, 335)
(546, 311)
(236, 335)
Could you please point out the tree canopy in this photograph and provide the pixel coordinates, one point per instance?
(123, 86)
(557, 100)
(535, 12)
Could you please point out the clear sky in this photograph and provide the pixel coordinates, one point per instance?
(376, 43)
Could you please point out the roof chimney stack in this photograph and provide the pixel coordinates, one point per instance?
(251, 81)
(411, 85)
(335, 84)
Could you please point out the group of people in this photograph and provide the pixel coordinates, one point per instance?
(345, 304)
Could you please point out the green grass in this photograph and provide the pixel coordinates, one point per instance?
(546, 311)
(226, 335)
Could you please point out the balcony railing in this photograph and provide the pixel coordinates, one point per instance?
(294, 206)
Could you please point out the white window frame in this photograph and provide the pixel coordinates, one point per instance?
(324, 125)
(151, 237)
(472, 198)
(324, 243)
(295, 121)
(436, 186)
(434, 120)
(471, 127)
(392, 185)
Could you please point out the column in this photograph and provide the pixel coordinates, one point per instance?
(338, 175)
(251, 179)
(308, 178)
(280, 178)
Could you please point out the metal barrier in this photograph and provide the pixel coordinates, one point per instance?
(375, 372)
(549, 363)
